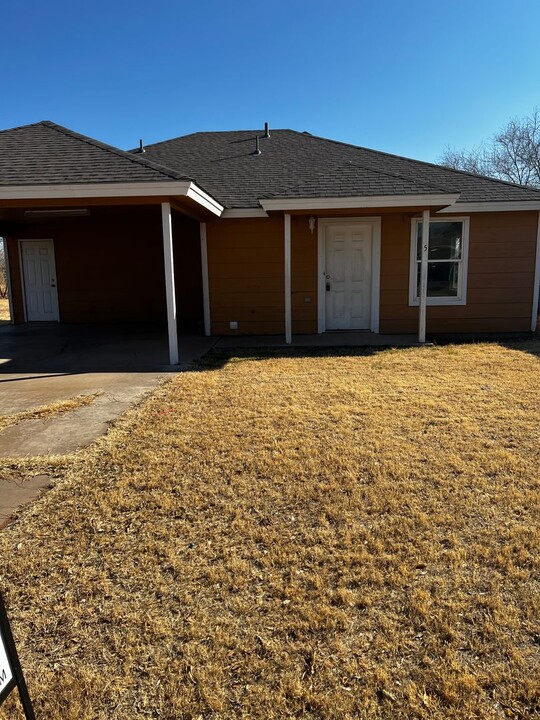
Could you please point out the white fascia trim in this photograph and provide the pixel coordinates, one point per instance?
(99, 190)
(196, 193)
(491, 207)
(536, 289)
(244, 213)
(359, 201)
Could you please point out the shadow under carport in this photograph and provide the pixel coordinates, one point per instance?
(57, 348)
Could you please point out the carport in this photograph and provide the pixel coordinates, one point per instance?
(101, 236)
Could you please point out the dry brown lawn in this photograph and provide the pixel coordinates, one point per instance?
(4, 311)
(325, 537)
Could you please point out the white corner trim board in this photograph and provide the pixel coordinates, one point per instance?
(288, 304)
(536, 289)
(359, 201)
(99, 190)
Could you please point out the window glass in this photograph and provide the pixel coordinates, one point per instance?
(445, 241)
(442, 279)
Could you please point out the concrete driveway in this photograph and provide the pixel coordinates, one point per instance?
(41, 363)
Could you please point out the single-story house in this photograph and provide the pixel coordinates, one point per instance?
(261, 232)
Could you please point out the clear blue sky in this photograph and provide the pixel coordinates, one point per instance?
(405, 76)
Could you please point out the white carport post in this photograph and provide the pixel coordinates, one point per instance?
(205, 284)
(423, 278)
(288, 314)
(166, 222)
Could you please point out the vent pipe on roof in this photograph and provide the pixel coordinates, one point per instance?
(266, 130)
(257, 147)
(141, 146)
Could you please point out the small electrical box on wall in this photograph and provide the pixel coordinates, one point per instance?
(233, 325)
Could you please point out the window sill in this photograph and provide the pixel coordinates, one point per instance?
(439, 302)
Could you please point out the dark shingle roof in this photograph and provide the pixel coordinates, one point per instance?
(349, 179)
(48, 154)
(224, 164)
(291, 165)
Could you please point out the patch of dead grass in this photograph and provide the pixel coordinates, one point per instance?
(45, 411)
(325, 536)
(5, 317)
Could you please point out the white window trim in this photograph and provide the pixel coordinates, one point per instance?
(536, 289)
(322, 223)
(461, 298)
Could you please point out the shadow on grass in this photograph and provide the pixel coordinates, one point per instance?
(47, 349)
(218, 358)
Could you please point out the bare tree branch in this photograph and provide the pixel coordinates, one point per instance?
(3, 270)
(512, 154)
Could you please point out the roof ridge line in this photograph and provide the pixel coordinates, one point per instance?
(207, 132)
(421, 162)
(167, 172)
(24, 127)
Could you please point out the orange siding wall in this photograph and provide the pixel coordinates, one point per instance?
(246, 275)
(502, 249)
(110, 268)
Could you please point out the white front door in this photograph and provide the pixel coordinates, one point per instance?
(39, 274)
(349, 248)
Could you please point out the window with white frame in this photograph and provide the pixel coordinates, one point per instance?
(447, 261)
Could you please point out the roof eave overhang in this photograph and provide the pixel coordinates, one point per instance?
(234, 213)
(492, 207)
(360, 201)
(81, 191)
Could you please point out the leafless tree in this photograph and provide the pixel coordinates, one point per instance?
(512, 154)
(3, 271)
